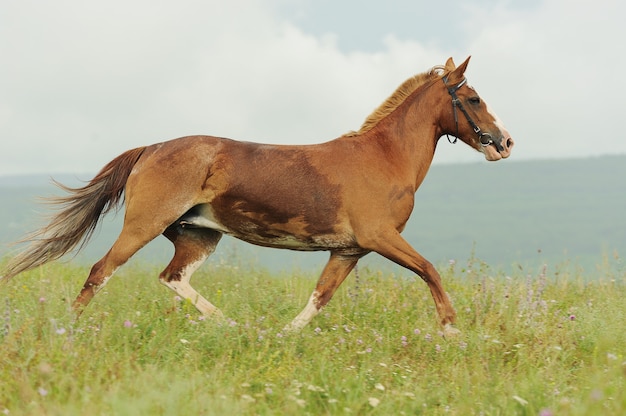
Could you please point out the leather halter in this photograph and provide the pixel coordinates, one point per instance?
(485, 139)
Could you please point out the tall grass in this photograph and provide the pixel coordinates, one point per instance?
(547, 342)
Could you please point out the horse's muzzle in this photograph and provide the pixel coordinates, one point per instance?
(497, 149)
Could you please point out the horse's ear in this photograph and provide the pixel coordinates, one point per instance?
(457, 73)
(450, 65)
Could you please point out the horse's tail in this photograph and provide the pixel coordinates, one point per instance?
(79, 212)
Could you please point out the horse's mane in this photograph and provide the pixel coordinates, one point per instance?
(407, 88)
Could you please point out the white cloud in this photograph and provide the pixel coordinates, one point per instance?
(81, 81)
(553, 75)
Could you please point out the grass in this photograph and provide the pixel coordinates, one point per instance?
(543, 343)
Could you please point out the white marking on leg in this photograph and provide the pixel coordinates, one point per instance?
(185, 291)
(105, 280)
(308, 313)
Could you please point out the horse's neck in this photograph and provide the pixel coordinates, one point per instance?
(408, 142)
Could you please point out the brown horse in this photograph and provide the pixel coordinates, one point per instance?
(349, 196)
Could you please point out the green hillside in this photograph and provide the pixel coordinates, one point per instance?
(508, 214)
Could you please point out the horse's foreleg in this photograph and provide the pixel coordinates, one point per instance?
(192, 247)
(335, 272)
(392, 246)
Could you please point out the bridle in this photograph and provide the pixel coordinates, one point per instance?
(485, 139)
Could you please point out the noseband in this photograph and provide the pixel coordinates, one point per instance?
(485, 139)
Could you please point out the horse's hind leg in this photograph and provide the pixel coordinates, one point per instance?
(126, 245)
(192, 247)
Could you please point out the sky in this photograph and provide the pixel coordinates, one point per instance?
(82, 81)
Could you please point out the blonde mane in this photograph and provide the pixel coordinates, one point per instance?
(407, 88)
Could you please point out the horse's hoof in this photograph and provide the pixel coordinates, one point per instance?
(450, 332)
(291, 329)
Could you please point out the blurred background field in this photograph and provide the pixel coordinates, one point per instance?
(511, 215)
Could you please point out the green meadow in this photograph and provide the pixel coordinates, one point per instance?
(550, 341)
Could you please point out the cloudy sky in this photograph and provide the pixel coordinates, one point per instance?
(82, 81)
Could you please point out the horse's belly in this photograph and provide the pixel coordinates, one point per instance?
(294, 235)
(293, 242)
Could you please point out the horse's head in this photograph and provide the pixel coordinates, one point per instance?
(471, 119)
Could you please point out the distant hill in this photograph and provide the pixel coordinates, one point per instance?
(508, 214)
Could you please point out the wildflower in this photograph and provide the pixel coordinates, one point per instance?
(379, 386)
(416, 331)
(42, 392)
(572, 317)
(60, 331)
(403, 341)
(373, 401)
(611, 356)
(596, 395)
(318, 330)
(428, 337)
(248, 398)
(42, 299)
(438, 348)
(178, 298)
(279, 335)
(463, 345)
(128, 324)
(546, 412)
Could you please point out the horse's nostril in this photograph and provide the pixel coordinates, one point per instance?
(509, 142)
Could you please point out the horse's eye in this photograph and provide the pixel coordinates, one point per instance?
(474, 100)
